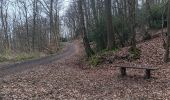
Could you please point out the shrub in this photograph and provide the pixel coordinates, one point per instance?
(3, 59)
(147, 36)
(134, 53)
(25, 56)
(94, 60)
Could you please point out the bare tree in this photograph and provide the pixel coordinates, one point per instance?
(110, 34)
(87, 47)
(132, 23)
(25, 12)
(166, 57)
(34, 23)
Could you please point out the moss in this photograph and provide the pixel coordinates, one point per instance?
(3, 59)
(147, 36)
(25, 56)
(134, 53)
(105, 51)
(14, 57)
(115, 49)
(94, 60)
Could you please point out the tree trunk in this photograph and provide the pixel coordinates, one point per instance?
(51, 21)
(168, 33)
(110, 34)
(132, 17)
(27, 25)
(87, 47)
(34, 23)
(148, 10)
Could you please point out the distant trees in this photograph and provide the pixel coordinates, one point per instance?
(29, 25)
(23, 5)
(34, 25)
(114, 23)
(4, 23)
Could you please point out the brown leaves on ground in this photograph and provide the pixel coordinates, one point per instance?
(65, 79)
(152, 52)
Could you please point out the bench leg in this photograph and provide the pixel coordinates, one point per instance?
(123, 71)
(147, 73)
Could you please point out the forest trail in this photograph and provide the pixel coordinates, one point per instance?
(65, 78)
(9, 69)
(69, 49)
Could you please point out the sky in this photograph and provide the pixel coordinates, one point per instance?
(64, 7)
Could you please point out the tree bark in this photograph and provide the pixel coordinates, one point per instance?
(166, 58)
(34, 23)
(132, 17)
(51, 20)
(87, 47)
(4, 21)
(110, 34)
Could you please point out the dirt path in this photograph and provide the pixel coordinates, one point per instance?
(27, 65)
(65, 80)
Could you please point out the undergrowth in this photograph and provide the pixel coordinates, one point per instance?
(11, 56)
(100, 57)
(94, 60)
(135, 53)
(14, 57)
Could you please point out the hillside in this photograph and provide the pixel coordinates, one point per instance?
(152, 52)
(65, 79)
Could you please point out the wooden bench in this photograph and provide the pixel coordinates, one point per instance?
(147, 69)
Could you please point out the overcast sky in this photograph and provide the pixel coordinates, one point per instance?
(64, 7)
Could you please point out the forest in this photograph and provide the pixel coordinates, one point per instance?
(28, 27)
(113, 24)
(84, 49)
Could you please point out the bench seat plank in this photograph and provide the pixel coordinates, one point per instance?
(138, 67)
(147, 69)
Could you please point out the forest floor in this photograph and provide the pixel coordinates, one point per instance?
(69, 78)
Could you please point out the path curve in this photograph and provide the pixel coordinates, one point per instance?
(9, 69)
